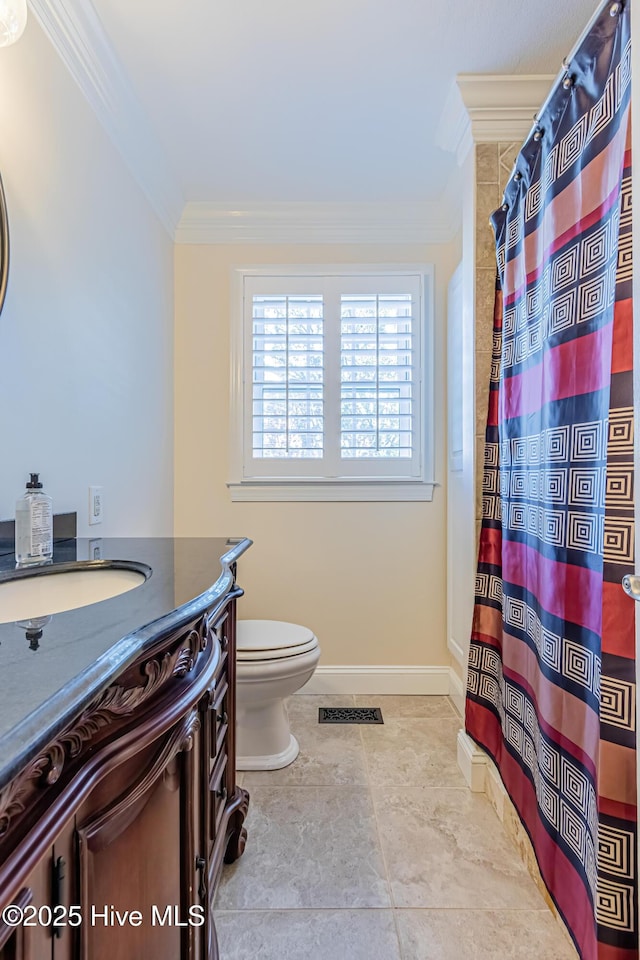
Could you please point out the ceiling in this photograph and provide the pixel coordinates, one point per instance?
(324, 100)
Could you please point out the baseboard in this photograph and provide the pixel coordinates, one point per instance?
(456, 651)
(472, 762)
(456, 691)
(380, 679)
(495, 790)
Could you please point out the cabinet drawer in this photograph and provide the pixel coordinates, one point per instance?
(220, 675)
(218, 790)
(219, 717)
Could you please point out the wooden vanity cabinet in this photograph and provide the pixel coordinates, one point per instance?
(45, 885)
(143, 781)
(26, 942)
(225, 835)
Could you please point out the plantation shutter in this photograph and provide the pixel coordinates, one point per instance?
(377, 389)
(288, 376)
(333, 377)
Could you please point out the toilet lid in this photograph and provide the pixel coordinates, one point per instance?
(271, 639)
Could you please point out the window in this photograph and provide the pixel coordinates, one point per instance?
(332, 385)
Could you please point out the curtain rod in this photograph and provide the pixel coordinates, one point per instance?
(567, 60)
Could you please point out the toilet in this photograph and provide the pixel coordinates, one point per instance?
(273, 660)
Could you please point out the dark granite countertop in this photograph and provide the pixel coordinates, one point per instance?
(81, 651)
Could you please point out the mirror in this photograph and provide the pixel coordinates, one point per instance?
(4, 246)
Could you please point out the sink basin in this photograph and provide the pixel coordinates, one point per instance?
(41, 591)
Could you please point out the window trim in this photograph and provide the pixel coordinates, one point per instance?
(313, 489)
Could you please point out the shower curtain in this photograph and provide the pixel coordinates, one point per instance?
(551, 675)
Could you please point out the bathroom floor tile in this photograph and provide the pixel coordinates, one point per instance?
(307, 935)
(307, 847)
(328, 754)
(305, 706)
(397, 708)
(482, 935)
(413, 753)
(368, 816)
(447, 848)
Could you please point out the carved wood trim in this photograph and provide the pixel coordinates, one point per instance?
(113, 703)
(230, 841)
(105, 826)
(236, 836)
(22, 857)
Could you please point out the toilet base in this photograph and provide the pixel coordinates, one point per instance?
(274, 761)
(275, 659)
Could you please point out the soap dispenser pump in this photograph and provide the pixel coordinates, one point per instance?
(34, 525)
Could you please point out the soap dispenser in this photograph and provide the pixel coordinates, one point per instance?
(34, 525)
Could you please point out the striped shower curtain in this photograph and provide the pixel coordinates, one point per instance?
(551, 691)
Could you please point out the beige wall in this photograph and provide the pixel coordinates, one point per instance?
(461, 548)
(86, 333)
(368, 578)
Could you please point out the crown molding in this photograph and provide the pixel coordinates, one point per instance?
(296, 222)
(77, 34)
(489, 108)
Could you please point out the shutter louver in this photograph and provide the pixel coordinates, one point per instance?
(377, 376)
(288, 375)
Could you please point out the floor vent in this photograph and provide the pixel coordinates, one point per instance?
(350, 715)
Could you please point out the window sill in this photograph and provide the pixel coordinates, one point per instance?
(330, 490)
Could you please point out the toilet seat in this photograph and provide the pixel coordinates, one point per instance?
(260, 640)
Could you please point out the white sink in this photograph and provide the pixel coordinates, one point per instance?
(28, 594)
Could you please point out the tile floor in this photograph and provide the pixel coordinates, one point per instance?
(371, 847)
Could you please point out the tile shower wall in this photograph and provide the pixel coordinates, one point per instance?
(494, 162)
(493, 167)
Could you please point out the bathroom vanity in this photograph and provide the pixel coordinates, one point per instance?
(118, 799)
